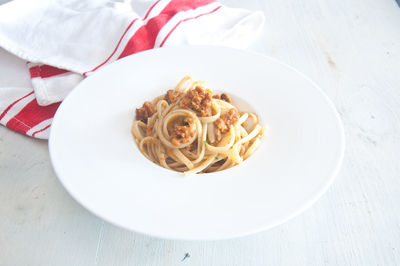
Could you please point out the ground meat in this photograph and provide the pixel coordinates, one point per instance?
(181, 134)
(231, 117)
(144, 112)
(199, 100)
(225, 97)
(223, 123)
(172, 96)
(220, 127)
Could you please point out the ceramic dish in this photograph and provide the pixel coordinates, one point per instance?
(99, 164)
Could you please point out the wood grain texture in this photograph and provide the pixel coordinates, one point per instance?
(352, 50)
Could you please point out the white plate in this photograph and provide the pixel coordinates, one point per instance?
(99, 164)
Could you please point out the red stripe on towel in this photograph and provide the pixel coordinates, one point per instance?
(31, 115)
(151, 8)
(11, 105)
(186, 19)
(116, 48)
(46, 71)
(43, 129)
(145, 37)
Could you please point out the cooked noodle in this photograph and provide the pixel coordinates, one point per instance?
(192, 130)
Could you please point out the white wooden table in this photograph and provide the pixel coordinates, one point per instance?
(352, 50)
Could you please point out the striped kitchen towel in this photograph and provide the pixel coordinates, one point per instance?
(60, 42)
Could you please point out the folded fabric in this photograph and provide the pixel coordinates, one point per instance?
(63, 41)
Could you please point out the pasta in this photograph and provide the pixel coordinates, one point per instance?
(192, 130)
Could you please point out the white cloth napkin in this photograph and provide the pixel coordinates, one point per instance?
(62, 41)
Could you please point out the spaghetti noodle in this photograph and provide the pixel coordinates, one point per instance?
(192, 130)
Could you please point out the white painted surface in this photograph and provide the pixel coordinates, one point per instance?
(352, 50)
